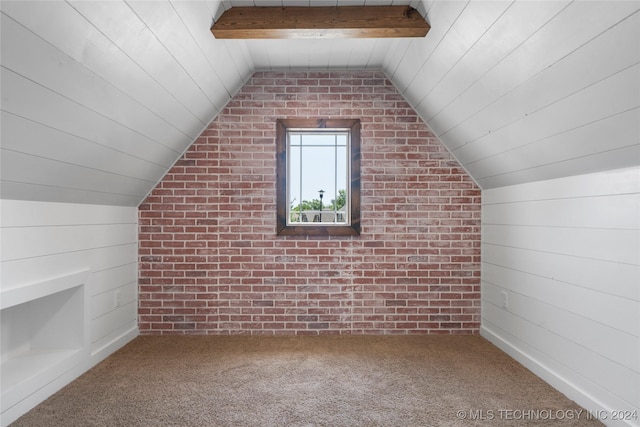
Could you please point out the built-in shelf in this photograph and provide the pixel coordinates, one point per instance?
(30, 371)
(44, 335)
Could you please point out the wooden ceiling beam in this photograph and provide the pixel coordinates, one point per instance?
(320, 22)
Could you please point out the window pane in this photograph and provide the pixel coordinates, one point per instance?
(311, 169)
(317, 161)
(342, 183)
(294, 174)
(317, 171)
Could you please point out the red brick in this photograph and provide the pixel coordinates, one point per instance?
(210, 262)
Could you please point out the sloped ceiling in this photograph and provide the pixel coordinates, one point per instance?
(99, 99)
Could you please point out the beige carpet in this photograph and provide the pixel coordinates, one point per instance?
(308, 381)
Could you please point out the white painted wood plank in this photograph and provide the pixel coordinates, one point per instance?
(272, 3)
(18, 272)
(598, 275)
(105, 281)
(612, 211)
(102, 347)
(517, 24)
(622, 129)
(319, 53)
(279, 53)
(422, 6)
(621, 181)
(47, 193)
(574, 26)
(299, 3)
(242, 58)
(113, 320)
(29, 137)
(27, 99)
(259, 54)
(33, 242)
(561, 299)
(217, 8)
(13, 296)
(378, 53)
(340, 53)
(106, 258)
(612, 133)
(414, 57)
(239, 67)
(582, 368)
(25, 168)
(394, 56)
(604, 340)
(241, 3)
(119, 23)
(358, 57)
(620, 246)
(18, 213)
(36, 60)
(419, 51)
(616, 94)
(104, 303)
(79, 39)
(377, 2)
(472, 24)
(613, 159)
(170, 29)
(616, 49)
(129, 294)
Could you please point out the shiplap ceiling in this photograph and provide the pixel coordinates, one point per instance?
(100, 98)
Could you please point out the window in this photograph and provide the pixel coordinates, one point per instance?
(318, 177)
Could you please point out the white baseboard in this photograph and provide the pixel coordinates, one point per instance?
(103, 352)
(25, 405)
(553, 377)
(38, 396)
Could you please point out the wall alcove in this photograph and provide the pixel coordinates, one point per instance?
(44, 335)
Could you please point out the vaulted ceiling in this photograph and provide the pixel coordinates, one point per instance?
(100, 98)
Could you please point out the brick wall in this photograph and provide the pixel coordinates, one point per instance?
(210, 261)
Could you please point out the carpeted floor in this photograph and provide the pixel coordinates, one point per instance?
(308, 381)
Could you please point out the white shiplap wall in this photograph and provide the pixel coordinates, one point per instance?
(99, 99)
(110, 93)
(565, 254)
(41, 241)
(527, 90)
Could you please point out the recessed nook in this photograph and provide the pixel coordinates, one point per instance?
(44, 334)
